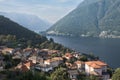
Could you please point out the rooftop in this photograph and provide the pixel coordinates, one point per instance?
(78, 62)
(68, 55)
(54, 59)
(96, 64)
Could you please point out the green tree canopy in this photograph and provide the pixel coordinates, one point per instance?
(59, 74)
(116, 75)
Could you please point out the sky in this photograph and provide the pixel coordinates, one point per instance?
(50, 10)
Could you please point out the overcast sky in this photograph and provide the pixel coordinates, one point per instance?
(50, 10)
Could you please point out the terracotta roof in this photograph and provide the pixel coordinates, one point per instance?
(68, 55)
(78, 62)
(7, 49)
(54, 59)
(48, 60)
(57, 58)
(26, 66)
(46, 50)
(53, 51)
(29, 63)
(50, 51)
(27, 49)
(96, 64)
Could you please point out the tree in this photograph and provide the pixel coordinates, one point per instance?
(29, 43)
(72, 60)
(83, 58)
(116, 75)
(92, 77)
(51, 40)
(12, 75)
(59, 74)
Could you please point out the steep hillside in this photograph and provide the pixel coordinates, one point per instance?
(90, 18)
(31, 22)
(14, 35)
(9, 27)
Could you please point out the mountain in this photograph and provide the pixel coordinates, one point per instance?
(31, 22)
(9, 27)
(15, 35)
(90, 18)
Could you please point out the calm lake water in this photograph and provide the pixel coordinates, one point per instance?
(107, 49)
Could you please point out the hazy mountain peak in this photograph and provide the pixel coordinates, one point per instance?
(31, 22)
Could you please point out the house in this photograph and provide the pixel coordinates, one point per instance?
(27, 49)
(39, 60)
(71, 66)
(68, 56)
(27, 52)
(16, 50)
(80, 64)
(7, 50)
(43, 53)
(25, 66)
(44, 50)
(17, 55)
(50, 52)
(73, 74)
(33, 59)
(76, 55)
(44, 67)
(97, 68)
(54, 62)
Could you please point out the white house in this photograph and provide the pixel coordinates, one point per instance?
(77, 55)
(79, 64)
(54, 62)
(44, 67)
(97, 68)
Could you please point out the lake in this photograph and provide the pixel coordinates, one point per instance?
(107, 49)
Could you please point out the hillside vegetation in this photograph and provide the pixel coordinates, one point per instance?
(90, 18)
(15, 35)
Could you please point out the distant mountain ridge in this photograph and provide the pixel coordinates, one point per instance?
(31, 22)
(96, 18)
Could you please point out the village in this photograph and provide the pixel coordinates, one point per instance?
(47, 60)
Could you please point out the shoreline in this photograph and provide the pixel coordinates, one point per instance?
(115, 37)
